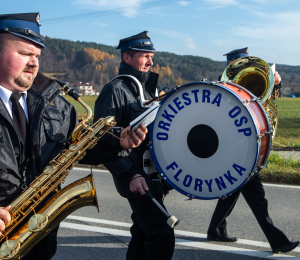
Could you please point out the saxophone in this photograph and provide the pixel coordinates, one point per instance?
(29, 224)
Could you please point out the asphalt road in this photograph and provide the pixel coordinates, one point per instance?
(87, 234)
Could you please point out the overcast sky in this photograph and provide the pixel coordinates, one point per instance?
(207, 28)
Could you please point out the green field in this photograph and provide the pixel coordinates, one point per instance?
(279, 170)
(288, 133)
(90, 100)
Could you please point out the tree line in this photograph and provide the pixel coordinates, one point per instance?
(98, 63)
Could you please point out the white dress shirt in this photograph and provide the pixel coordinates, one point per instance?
(5, 96)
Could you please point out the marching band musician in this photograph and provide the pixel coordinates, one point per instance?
(152, 238)
(35, 121)
(254, 194)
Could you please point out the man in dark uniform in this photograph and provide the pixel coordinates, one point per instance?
(254, 194)
(35, 121)
(152, 238)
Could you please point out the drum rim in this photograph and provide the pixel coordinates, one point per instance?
(161, 172)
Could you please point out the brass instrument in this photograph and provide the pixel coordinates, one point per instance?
(255, 75)
(29, 224)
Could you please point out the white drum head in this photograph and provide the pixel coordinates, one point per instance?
(204, 140)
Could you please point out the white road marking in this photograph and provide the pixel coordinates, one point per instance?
(89, 169)
(232, 250)
(101, 221)
(182, 242)
(282, 186)
(265, 184)
(177, 232)
(110, 231)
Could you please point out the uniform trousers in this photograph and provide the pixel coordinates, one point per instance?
(254, 195)
(152, 238)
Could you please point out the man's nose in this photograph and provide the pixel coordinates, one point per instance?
(33, 61)
(150, 62)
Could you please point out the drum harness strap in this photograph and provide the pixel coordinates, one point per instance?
(147, 159)
(144, 103)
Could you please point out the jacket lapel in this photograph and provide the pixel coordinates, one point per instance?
(33, 101)
(5, 114)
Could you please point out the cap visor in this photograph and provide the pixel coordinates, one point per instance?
(29, 38)
(144, 48)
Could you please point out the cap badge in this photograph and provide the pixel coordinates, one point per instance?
(147, 34)
(37, 18)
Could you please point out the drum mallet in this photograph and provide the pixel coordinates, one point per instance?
(172, 220)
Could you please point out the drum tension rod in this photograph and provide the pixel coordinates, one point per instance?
(260, 136)
(245, 102)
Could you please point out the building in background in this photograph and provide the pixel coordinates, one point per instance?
(84, 89)
(285, 92)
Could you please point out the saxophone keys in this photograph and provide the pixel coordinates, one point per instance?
(48, 169)
(9, 249)
(73, 147)
(37, 222)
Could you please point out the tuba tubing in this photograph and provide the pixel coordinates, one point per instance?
(255, 75)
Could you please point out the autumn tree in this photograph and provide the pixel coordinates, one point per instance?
(116, 71)
(179, 81)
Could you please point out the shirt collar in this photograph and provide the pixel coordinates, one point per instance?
(5, 94)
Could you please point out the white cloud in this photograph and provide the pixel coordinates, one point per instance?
(190, 43)
(223, 2)
(169, 33)
(259, 1)
(272, 37)
(183, 2)
(101, 24)
(104, 5)
(217, 4)
(279, 27)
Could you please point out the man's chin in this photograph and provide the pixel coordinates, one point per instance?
(24, 83)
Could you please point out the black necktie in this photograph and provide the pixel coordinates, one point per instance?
(18, 114)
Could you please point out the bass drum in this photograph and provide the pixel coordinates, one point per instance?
(208, 139)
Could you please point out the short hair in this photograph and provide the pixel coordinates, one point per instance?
(2, 40)
(130, 52)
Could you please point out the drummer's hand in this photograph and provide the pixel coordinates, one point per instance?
(138, 184)
(277, 78)
(135, 138)
(4, 217)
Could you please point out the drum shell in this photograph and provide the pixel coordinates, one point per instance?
(260, 119)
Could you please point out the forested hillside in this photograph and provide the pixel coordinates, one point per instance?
(97, 63)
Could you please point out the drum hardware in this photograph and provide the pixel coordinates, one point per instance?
(190, 198)
(204, 79)
(231, 127)
(266, 165)
(147, 163)
(260, 136)
(172, 220)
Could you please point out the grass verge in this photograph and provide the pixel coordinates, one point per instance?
(281, 170)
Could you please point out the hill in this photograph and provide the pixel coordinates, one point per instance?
(95, 63)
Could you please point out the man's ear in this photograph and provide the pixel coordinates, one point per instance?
(126, 57)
